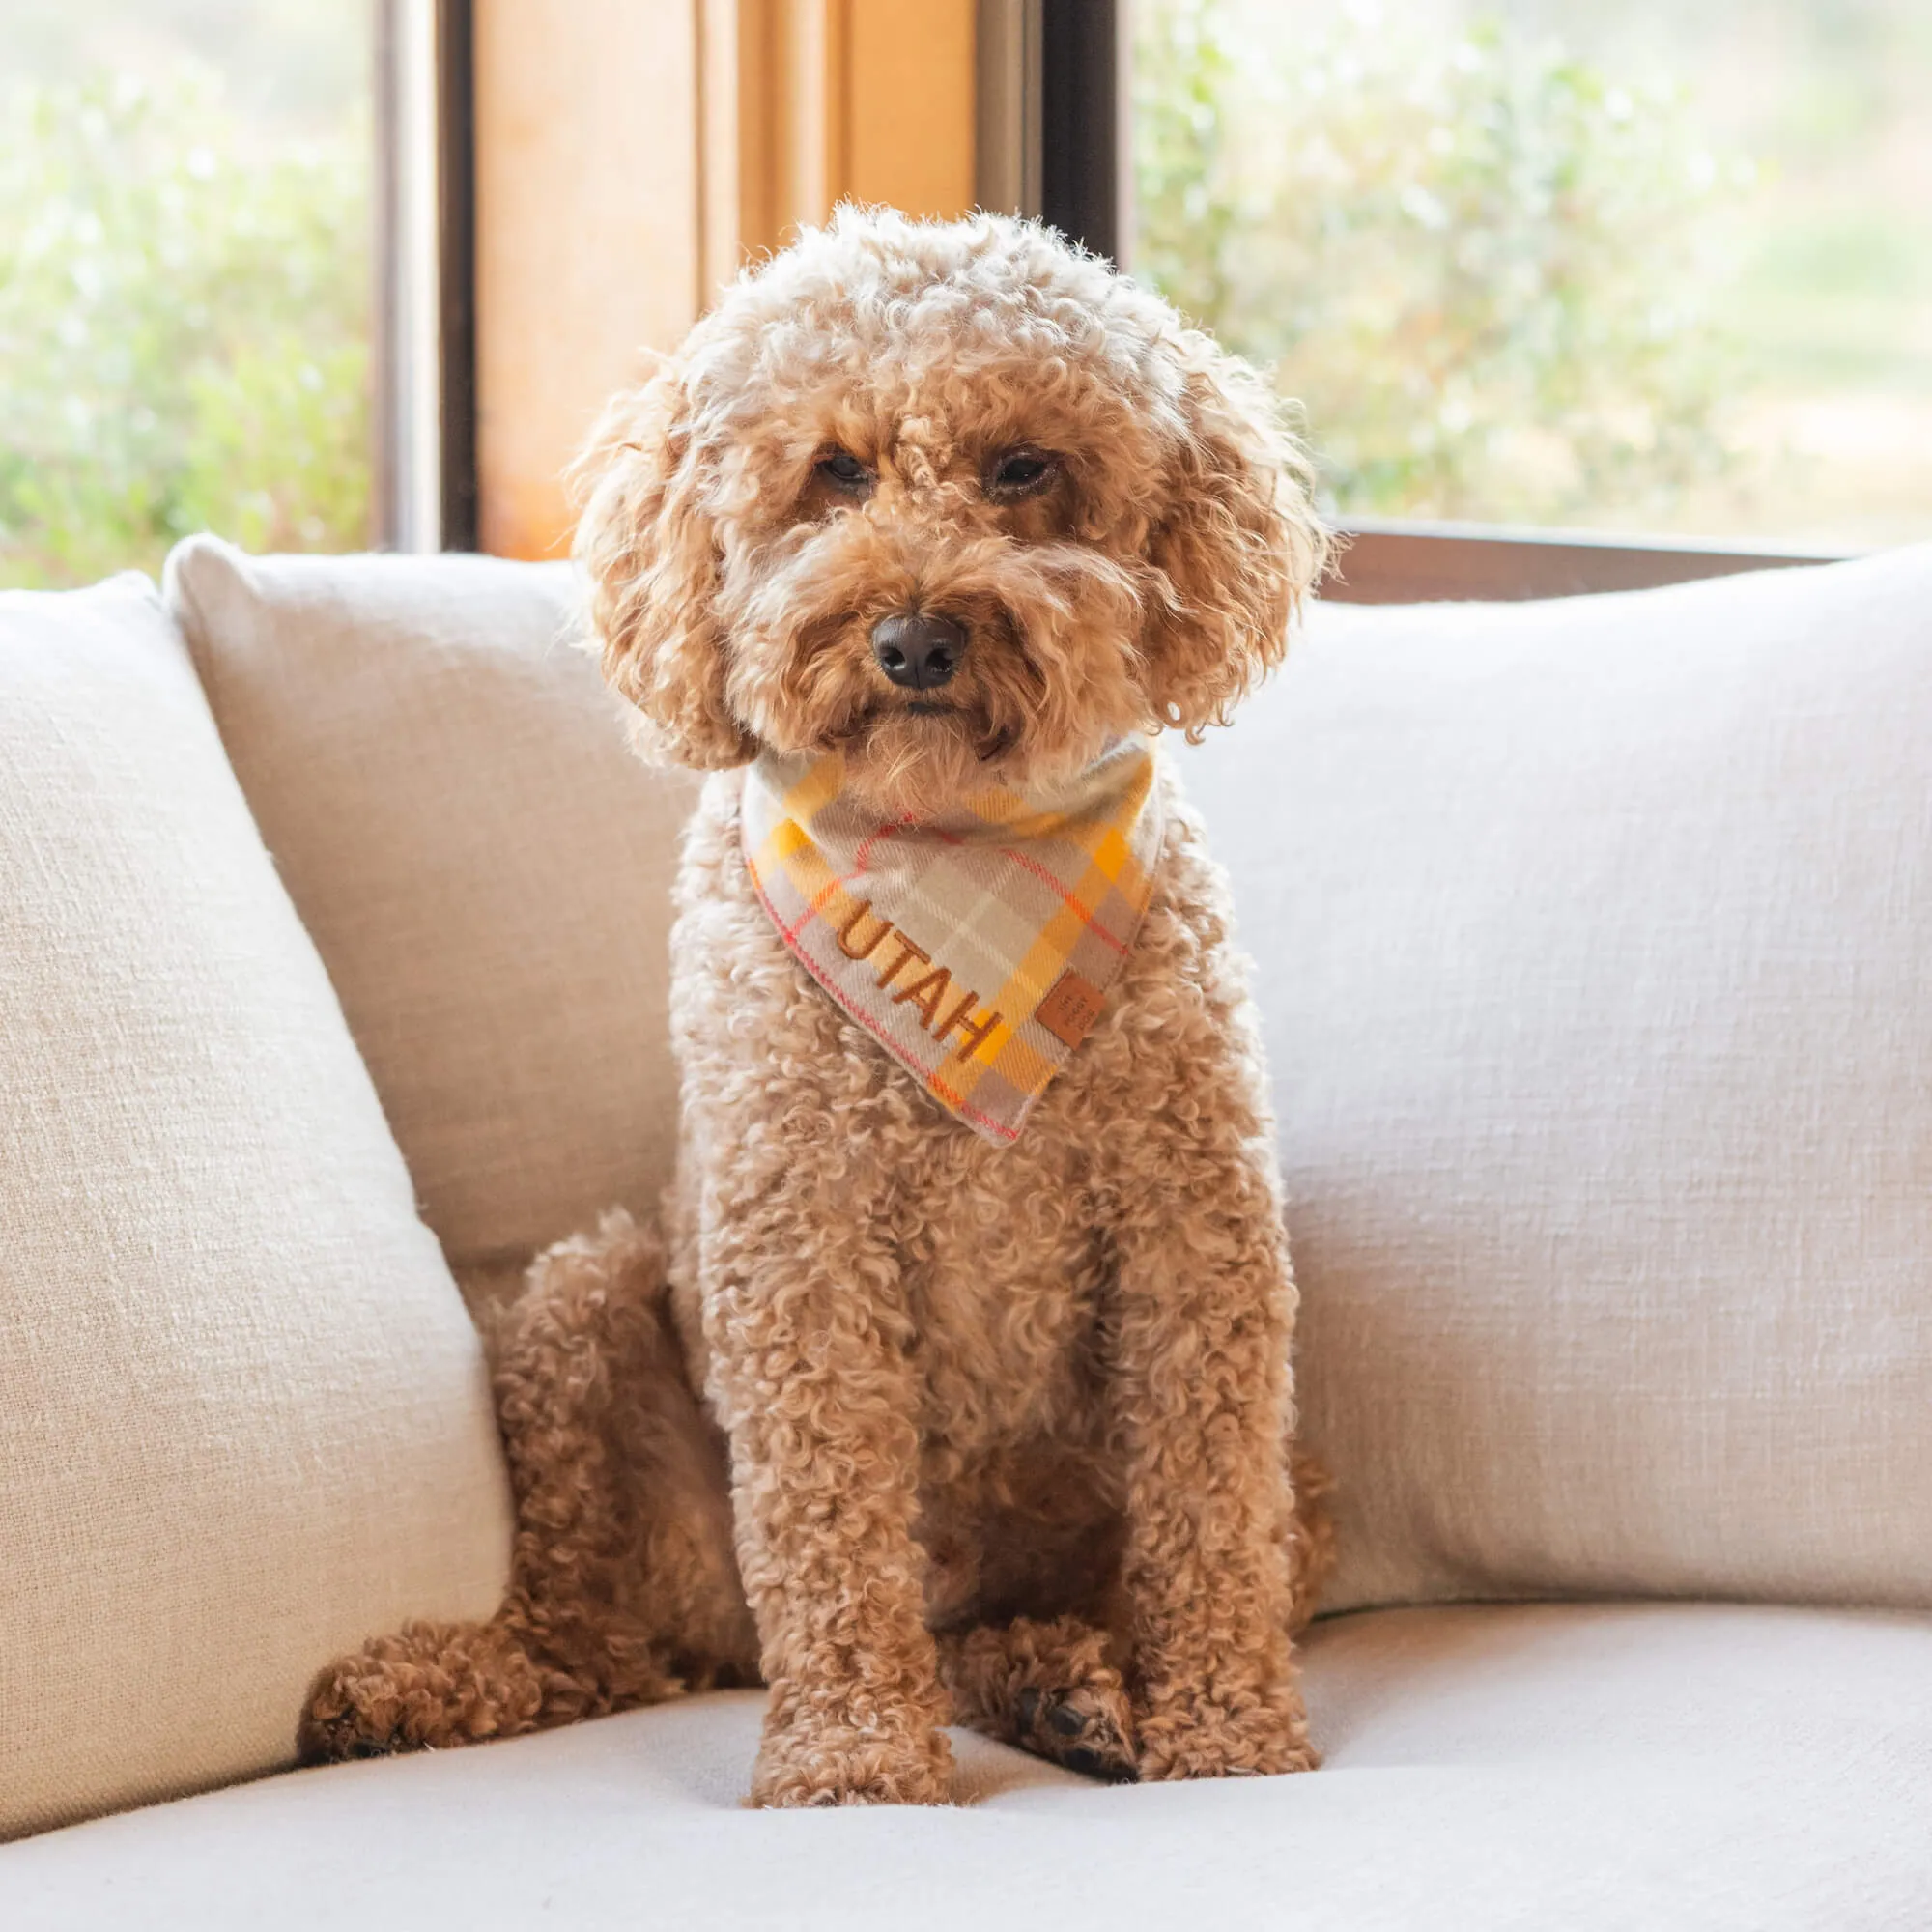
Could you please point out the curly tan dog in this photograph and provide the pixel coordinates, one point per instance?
(914, 1420)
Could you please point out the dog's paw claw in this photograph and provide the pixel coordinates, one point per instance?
(1065, 1720)
(1088, 1729)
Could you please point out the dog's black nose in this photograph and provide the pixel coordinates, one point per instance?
(918, 651)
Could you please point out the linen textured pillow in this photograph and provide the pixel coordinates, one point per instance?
(1595, 956)
(245, 1421)
(485, 868)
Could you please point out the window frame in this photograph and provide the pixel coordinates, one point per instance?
(1399, 560)
(458, 482)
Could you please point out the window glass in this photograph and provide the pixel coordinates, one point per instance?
(185, 279)
(1642, 265)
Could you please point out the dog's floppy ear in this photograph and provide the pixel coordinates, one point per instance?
(646, 544)
(1234, 549)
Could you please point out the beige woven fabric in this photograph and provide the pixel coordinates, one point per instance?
(485, 868)
(244, 1420)
(1595, 958)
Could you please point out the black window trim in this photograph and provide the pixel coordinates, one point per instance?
(456, 271)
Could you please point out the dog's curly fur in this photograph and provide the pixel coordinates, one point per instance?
(1006, 1430)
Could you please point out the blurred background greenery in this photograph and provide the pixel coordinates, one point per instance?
(1641, 266)
(185, 281)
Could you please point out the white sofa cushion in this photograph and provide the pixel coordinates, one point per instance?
(244, 1420)
(1595, 946)
(485, 868)
(1595, 1769)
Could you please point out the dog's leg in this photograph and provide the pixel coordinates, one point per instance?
(1200, 1326)
(810, 1337)
(430, 1687)
(622, 1585)
(1045, 1687)
(1050, 1686)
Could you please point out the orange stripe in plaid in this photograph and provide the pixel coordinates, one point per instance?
(863, 856)
(1067, 899)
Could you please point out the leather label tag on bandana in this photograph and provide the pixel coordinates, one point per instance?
(1070, 1011)
(978, 948)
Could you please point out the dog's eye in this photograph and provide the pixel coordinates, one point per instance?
(844, 471)
(1020, 472)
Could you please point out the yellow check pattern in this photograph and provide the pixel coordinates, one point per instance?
(976, 947)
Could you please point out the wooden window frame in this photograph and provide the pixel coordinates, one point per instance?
(1389, 560)
(604, 166)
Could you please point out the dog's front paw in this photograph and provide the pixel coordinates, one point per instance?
(430, 1687)
(816, 1761)
(1261, 1736)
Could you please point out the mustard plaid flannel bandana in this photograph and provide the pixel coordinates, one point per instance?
(977, 948)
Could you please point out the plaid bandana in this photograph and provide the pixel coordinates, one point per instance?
(977, 948)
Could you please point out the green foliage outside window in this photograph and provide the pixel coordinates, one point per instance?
(183, 332)
(1474, 261)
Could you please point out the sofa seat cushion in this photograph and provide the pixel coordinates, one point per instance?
(1581, 1767)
